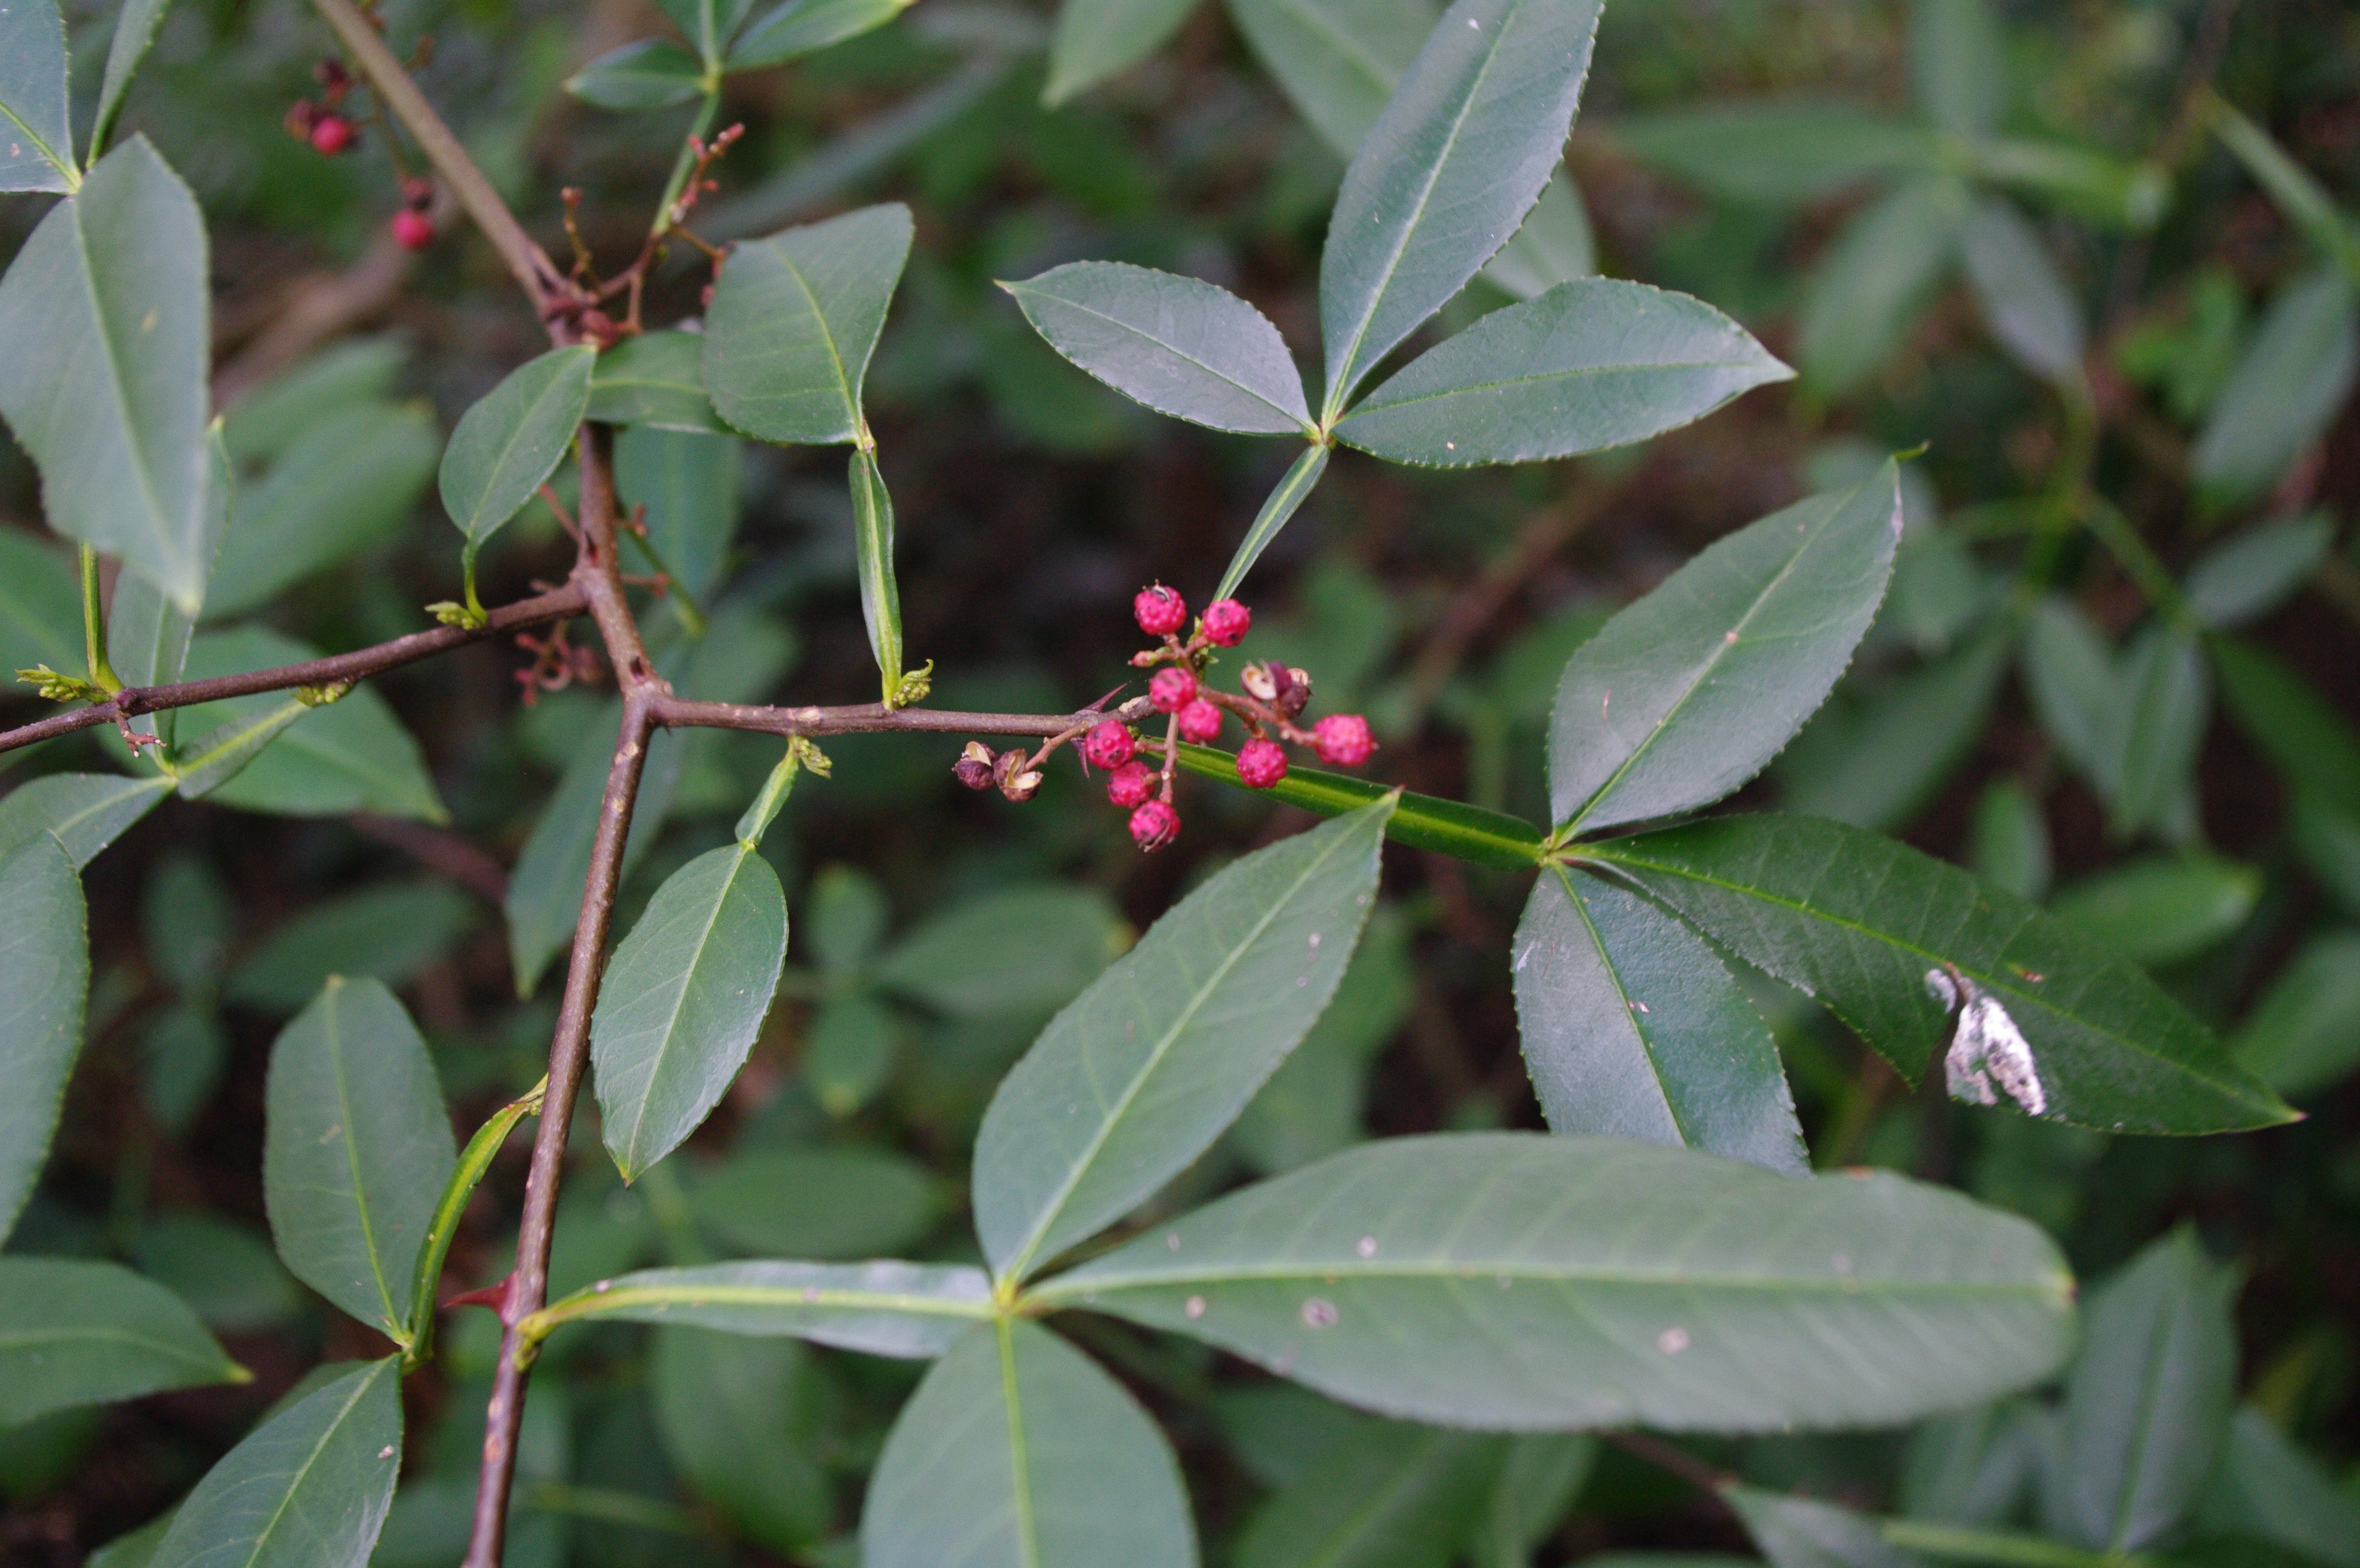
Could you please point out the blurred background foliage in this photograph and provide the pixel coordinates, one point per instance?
(2116, 672)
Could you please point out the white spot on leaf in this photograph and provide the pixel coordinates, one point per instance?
(1319, 1313)
(1988, 1055)
(1672, 1341)
(1192, 1309)
(1366, 1247)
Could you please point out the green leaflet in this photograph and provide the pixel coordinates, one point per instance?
(805, 26)
(1557, 1282)
(509, 442)
(793, 320)
(1421, 821)
(35, 135)
(1023, 949)
(357, 1151)
(1958, 62)
(1633, 1028)
(1858, 920)
(906, 1310)
(103, 340)
(2159, 909)
(880, 596)
(736, 1414)
(1873, 279)
(1096, 39)
(308, 1487)
(683, 1000)
(1337, 61)
(1589, 365)
(1801, 1533)
(1146, 1067)
(1686, 693)
(848, 1201)
(2025, 301)
(390, 933)
(1446, 173)
(1381, 1494)
(1293, 486)
(2293, 377)
(656, 379)
(1021, 1450)
(653, 74)
(1183, 347)
(134, 30)
(44, 981)
(76, 1332)
(2304, 1033)
(86, 811)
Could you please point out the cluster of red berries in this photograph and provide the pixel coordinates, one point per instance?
(1274, 697)
(323, 123)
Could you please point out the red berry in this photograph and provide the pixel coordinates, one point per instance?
(1107, 744)
(1155, 824)
(1260, 763)
(1227, 622)
(1131, 784)
(1160, 611)
(1343, 738)
(1172, 689)
(331, 134)
(1200, 722)
(413, 230)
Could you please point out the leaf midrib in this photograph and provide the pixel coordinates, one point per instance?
(295, 1477)
(475, 513)
(827, 337)
(36, 1338)
(114, 380)
(1299, 420)
(1347, 47)
(1086, 1287)
(1081, 1165)
(1622, 994)
(1019, 1458)
(616, 1299)
(1988, 979)
(1370, 405)
(351, 1141)
(680, 1001)
(64, 166)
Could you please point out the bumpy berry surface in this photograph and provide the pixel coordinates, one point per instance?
(1227, 622)
(1131, 784)
(1200, 721)
(1155, 824)
(1160, 611)
(331, 134)
(1343, 738)
(413, 231)
(1172, 689)
(1260, 763)
(1107, 744)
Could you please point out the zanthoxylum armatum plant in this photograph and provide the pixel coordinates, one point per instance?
(1661, 1258)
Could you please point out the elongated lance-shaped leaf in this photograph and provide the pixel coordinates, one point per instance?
(357, 1151)
(103, 335)
(880, 593)
(804, 26)
(1143, 1071)
(442, 1227)
(911, 1311)
(220, 755)
(44, 981)
(1096, 39)
(1958, 62)
(1447, 174)
(1182, 347)
(1633, 1028)
(683, 999)
(1557, 1282)
(509, 443)
(656, 379)
(76, 1332)
(1017, 1451)
(1472, 833)
(308, 1488)
(2293, 187)
(36, 132)
(1337, 61)
(134, 30)
(793, 320)
(1293, 486)
(1379, 1495)
(651, 74)
(2148, 1405)
(1589, 365)
(1776, 151)
(1802, 1532)
(2286, 389)
(1686, 694)
(2153, 731)
(2025, 301)
(147, 632)
(1858, 921)
(86, 811)
(1865, 292)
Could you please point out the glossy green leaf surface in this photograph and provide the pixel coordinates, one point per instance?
(1285, 498)
(2303, 1034)
(1686, 693)
(1311, 1106)
(1633, 1028)
(1446, 173)
(1589, 365)
(1385, 1494)
(34, 121)
(86, 811)
(2160, 909)
(77, 1333)
(2286, 389)
(1876, 761)
(387, 932)
(2156, 729)
(691, 484)
(872, 548)
(653, 74)
(793, 320)
(805, 27)
(1337, 61)
(1181, 347)
(1555, 246)
(1858, 920)
(351, 479)
(1802, 1532)
(308, 1488)
(103, 344)
(1024, 949)
(1874, 275)
(1095, 39)
(134, 31)
(357, 1148)
(40, 610)
(1021, 1451)
(905, 1310)
(683, 999)
(1146, 1067)
(2024, 300)
(1421, 821)
(656, 379)
(2147, 1403)
(846, 1203)
(1558, 1282)
(729, 1407)
(510, 440)
(44, 981)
